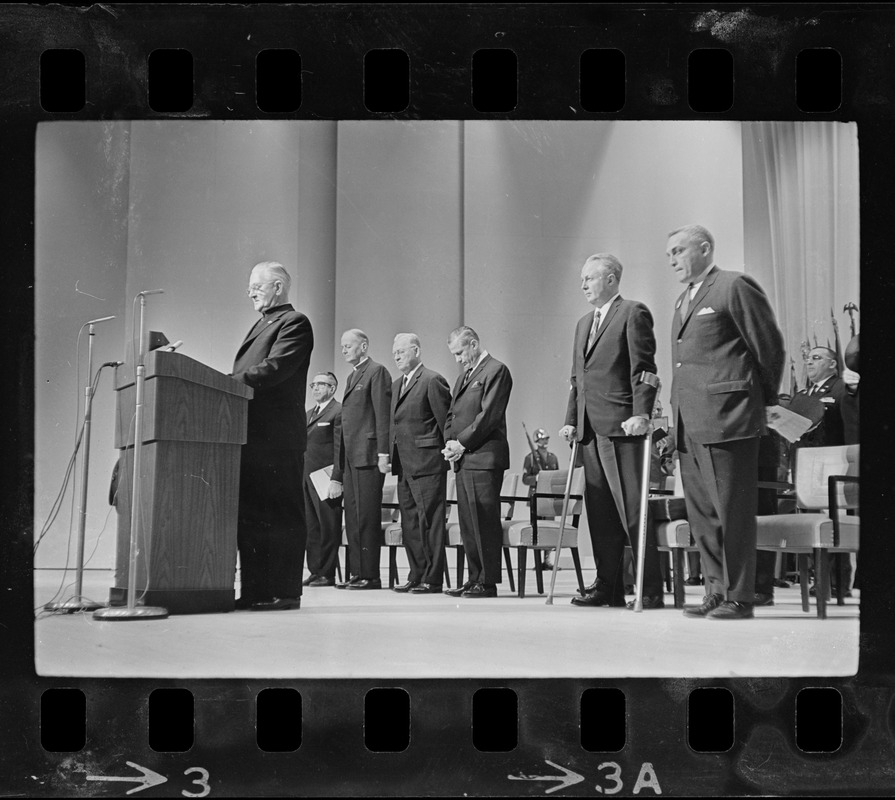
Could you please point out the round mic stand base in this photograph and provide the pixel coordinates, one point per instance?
(125, 612)
(73, 606)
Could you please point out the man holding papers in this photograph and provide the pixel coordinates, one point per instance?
(324, 516)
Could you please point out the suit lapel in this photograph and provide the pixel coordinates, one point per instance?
(397, 395)
(603, 323)
(354, 378)
(261, 325)
(460, 387)
(698, 297)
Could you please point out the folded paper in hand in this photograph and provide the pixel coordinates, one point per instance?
(321, 478)
(788, 424)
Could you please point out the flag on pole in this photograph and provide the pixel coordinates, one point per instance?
(839, 360)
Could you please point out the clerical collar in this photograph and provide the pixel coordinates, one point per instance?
(271, 310)
(365, 358)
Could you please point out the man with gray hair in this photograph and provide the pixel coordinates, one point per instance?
(476, 446)
(728, 358)
(273, 360)
(610, 405)
(362, 459)
(420, 400)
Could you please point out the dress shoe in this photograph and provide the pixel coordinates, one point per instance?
(427, 588)
(732, 609)
(598, 593)
(321, 581)
(693, 582)
(309, 580)
(649, 601)
(346, 584)
(277, 604)
(481, 590)
(709, 603)
(460, 589)
(763, 599)
(406, 587)
(366, 583)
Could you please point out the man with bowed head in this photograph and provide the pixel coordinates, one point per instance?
(727, 355)
(476, 446)
(273, 360)
(611, 399)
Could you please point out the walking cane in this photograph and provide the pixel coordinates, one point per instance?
(652, 380)
(562, 521)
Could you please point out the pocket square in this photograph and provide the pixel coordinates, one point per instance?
(475, 383)
(706, 310)
(827, 399)
(323, 424)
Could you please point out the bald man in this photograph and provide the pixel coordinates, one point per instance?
(420, 401)
(362, 458)
(273, 360)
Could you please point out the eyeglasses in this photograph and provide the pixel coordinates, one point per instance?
(817, 358)
(322, 383)
(257, 287)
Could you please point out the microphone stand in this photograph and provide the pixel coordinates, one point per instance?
(132, 610)
(78, 603)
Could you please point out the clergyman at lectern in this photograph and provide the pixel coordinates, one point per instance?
(273, 360)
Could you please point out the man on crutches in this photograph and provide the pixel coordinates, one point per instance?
(613, 388)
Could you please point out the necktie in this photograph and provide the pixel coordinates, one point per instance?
(812, 390)
(592, 336)
(404, 384)
(317, 411)
(466, 376)
(685, 303)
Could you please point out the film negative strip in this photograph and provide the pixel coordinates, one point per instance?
(139, 136)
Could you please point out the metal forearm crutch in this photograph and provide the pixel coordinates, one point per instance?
(562, 521)
(653, 380)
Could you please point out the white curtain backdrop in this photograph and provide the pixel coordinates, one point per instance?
(801, 208)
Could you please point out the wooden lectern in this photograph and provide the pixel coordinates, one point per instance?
(194, 426)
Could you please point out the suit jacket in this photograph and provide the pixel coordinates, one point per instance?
(417, 423)
(323, 431)
(830, 432)
(274, 361)
(365, 417)
(477, 416)
(606, 379)
(728, 358)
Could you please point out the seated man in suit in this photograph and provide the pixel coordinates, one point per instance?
(420, 400)
(324, 516)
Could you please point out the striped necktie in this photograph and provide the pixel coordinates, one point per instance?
(592, 336)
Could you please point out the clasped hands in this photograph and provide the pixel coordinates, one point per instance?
(453, 450)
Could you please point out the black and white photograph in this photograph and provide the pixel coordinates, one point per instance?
(360, 357)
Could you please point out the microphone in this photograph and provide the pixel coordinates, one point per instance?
(150, 291)
(112, 364)
(101, 319)
(173, 346)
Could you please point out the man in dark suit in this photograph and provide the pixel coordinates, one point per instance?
(273, 360)
(476, 446)
(420, 401)
(728, 358)
(610, 405)
(324, 516)
(362, 458)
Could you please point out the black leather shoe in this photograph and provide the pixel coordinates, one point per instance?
(481, 590)
(366, 583)
(427, 588)
(732, 609)
(764, 599)
(592, 588)
(346, 584)
(278, 604)
(309, 580)
(598, 594)
(406, 587)
(460, 589)
(693, 582)
(709, 603)
(321, 581)
(649, 601)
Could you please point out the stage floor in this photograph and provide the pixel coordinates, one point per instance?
(383, 634)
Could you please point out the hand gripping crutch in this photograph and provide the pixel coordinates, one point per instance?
(562, 520)
(653, 380)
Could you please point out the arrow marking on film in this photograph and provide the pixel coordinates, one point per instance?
(569, 779)
(147, 779)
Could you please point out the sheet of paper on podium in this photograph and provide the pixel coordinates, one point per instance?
(321, 478)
